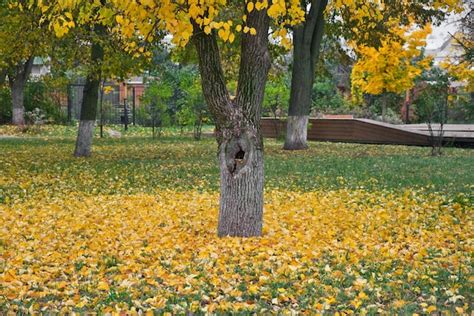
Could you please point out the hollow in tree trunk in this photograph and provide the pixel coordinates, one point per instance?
(241, 168)
(238, 126)
(17, 80)
(306, 44)
(89, 105)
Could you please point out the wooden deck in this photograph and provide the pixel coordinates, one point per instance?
(372, 132)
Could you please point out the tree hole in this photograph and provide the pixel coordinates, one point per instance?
(240, 155)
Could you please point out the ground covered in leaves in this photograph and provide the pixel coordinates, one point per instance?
(347, 229)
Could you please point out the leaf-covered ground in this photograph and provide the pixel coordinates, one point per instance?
(347, 228)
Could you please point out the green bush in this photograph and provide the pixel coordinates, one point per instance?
(327, 99)
(38, 95)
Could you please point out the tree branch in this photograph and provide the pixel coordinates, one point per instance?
(254, 66)
(319, 31)
(212, 76)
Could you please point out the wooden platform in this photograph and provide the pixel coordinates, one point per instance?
(372, 132)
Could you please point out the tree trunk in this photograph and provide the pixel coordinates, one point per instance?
(18, 79)
(89, 104)
(238, 126)
(241, 200)
(18, 110)
(306, 44)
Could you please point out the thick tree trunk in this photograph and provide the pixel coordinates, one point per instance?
(306, 44)
(238, 126)
(89, 105)
(18, 79)
(241, 200)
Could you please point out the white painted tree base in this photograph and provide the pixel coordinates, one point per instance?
(18, 116)
(84, 138)
(296, 133)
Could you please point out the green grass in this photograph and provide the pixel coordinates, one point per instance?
(142, 164)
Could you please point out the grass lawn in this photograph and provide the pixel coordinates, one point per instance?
(348, 228)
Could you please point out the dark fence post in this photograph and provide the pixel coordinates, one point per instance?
(125, 114)
(69, 103)
(133, 105)
(101, 110)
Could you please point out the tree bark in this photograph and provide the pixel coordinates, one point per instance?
(89, 104)
(17, 80)
(238, 126)
(306, 45)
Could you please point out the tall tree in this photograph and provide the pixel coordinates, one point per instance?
(359, 21)
(237, 118)
(99, 50)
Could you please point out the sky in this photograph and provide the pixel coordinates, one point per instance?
(441, 33)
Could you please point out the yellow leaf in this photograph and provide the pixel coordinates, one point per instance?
(431, 309)
(103, 286)
(250, 6)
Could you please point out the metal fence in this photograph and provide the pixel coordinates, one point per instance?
(110, 108)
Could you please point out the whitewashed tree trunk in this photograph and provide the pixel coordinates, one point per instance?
(307, 39)
(297, 133)
(90, 99)
(18, 109)
(18, 76)
(84, 138)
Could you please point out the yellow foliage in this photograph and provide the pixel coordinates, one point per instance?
(176, 18)
(393, 66)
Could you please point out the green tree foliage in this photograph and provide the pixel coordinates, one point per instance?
(155, 99)
(431, 104)
(192, 106)
(277, 96)
(326, 98)
(42, 94)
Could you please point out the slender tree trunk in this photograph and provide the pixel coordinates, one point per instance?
(89, 104)
(300, 95)
(18, 79)
(306, 44)
(238, 126)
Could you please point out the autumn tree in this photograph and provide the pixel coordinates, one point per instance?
(362, 22)
(392, 67)
(23, 35)
(101, 51)
(237, 117)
